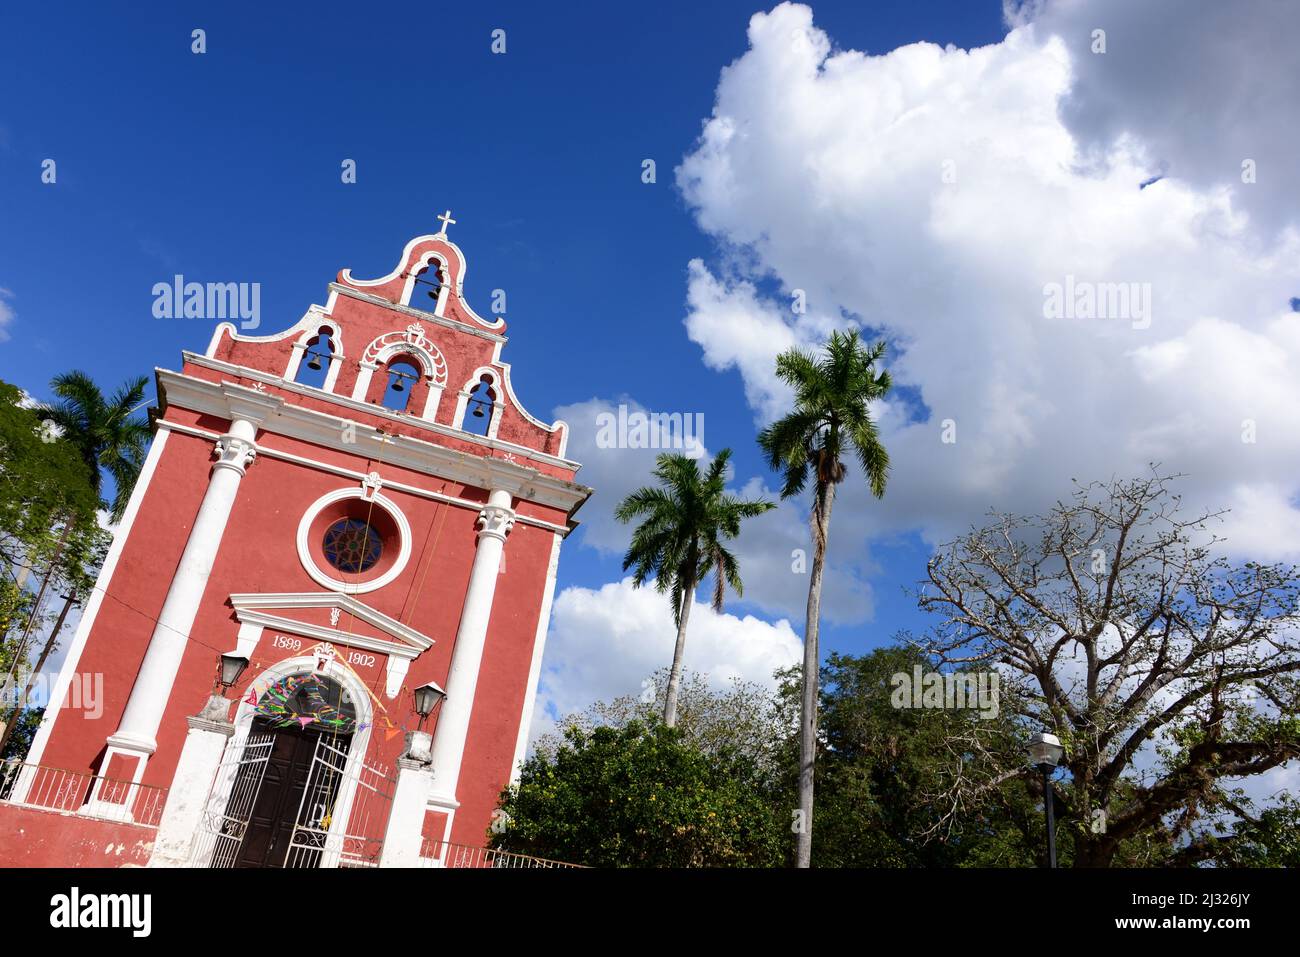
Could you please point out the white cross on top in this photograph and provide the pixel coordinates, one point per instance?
(446, 221)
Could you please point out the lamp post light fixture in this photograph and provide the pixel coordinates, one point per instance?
(427, 699)
(233, 664)
(1045, 753)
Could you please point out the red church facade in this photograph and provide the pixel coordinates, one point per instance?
(360, 507)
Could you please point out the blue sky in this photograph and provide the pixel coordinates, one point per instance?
(931, 192)
(226, 166)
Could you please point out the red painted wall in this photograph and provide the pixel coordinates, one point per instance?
(30, 837)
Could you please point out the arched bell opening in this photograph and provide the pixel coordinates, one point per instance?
(479, 407)
(402, 378)
(318, 354)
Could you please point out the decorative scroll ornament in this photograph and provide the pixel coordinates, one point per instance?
(234, 453)
(324, 655)
(412, 335)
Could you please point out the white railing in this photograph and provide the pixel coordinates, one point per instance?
(445, 854)
(90, 795)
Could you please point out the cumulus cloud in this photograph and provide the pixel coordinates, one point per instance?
(1203, 87)
(604, 642)
(934, 195)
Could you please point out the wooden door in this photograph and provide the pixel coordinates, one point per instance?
(270, 826)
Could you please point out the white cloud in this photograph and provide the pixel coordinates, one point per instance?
(738, 329)
(827, 170)
(7, 314)
(604, 642)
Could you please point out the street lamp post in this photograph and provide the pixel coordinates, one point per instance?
(1045, 753)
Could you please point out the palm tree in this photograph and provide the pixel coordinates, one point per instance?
(105, 431)
(831, 418)
(687, 521)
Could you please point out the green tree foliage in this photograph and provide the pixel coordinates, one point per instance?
(106, 433)
(49, 532)
(879, 767)
(685, 525)
(1169, 673)
(20, 740)
(47, 507)
(43, 486)
(641, 796)
(1269, 838)
(743, 717)
(884, 781)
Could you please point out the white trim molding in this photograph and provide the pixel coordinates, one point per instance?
(348, 402)
(268, 452)
(314, 313)
(87, 623)
(420, 266)
(324, 578)
(406, 644)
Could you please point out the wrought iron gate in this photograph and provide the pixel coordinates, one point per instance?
(230, 803)
(342, 816)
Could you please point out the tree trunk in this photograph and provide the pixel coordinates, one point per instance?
(811, 674)
(40, 663)
(675, 673)
(21, 652)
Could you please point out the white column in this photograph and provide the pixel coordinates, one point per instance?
(144, 709)
(495, 522)
(205, 744)
(402, 837)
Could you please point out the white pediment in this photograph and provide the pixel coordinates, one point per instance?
(275, 610)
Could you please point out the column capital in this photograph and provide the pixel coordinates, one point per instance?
(234, 453)
(495, 521)
(497, 517)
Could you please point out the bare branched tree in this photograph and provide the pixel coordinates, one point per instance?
(1168, 672)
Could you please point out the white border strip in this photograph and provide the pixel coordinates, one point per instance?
(272, 453)
(91, 610)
